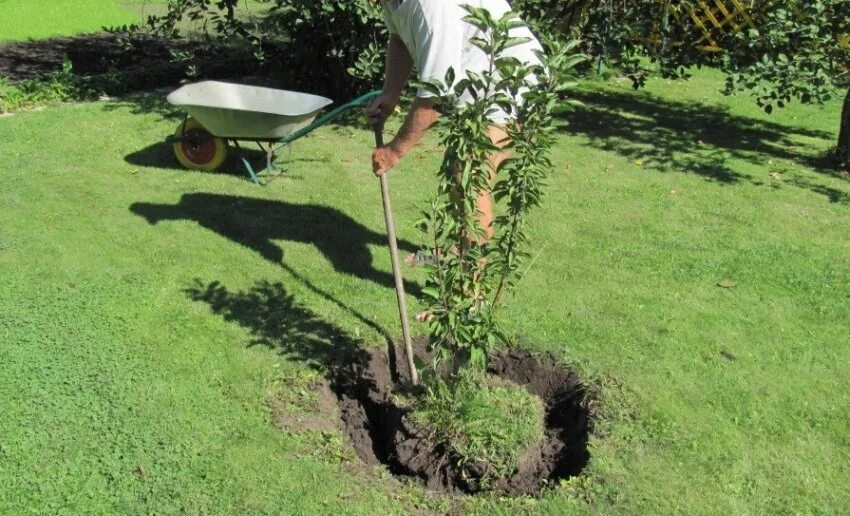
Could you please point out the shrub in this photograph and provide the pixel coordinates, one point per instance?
(327, 46)
(57, 87)
(324, 46)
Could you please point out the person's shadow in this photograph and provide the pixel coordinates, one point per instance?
(255, 223)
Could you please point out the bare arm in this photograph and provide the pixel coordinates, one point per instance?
(399, 65)
(421, 117)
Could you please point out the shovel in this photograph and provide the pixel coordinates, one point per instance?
(399, 284)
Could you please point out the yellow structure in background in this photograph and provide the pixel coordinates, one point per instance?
(710, 19)
(718, 17)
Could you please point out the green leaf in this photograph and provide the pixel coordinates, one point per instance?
(431, 292)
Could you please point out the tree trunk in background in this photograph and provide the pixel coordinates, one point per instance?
(844, 135)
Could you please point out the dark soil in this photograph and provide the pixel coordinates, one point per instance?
(384, 433)
(130, 62)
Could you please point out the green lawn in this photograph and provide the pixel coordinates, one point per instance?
(150, 316)
(26, 19)
(21, 19)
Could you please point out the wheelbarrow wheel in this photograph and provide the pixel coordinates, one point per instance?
(197, 149)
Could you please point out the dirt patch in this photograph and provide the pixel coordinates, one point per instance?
(312, 408)
(384, 433)
(124, 62)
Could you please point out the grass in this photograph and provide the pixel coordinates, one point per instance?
(67, 17)
(488, 424)
(23, 21)
(150, 316)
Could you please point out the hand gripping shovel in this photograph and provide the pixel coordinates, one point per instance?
(399, 284)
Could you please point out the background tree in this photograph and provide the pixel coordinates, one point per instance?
(776, 50)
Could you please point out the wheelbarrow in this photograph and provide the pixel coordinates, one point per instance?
(219, 114)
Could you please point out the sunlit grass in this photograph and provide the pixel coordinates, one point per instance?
(122, 391)
(28, 19)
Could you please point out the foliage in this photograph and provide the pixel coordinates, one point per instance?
(486, 423)
(57, 87)
(470, 278)
(330, 46)
(549, 17)
(795, 53)
(793, 50)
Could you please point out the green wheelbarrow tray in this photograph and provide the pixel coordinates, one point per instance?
(226, 112)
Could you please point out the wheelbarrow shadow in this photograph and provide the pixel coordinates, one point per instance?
(160, 155)
(256, 223)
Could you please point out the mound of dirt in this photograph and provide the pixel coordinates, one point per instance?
(385, 433)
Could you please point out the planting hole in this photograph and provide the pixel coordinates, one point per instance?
(383, 432)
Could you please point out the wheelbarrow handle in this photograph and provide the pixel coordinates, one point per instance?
(331, 116)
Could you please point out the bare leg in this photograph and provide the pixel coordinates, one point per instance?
(499, 137)
(484, 203)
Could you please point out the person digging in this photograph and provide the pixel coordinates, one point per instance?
(432, 37)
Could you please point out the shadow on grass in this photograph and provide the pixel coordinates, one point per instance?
(279, 322)
(153, 102)
(686, 137)
(256, 223)
(161, 155)
(833, 194)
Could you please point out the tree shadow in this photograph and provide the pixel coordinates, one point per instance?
(277, 321)
(833, 194)
(255, 223)
(685, 137)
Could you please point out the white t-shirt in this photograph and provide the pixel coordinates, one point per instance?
(438, 39)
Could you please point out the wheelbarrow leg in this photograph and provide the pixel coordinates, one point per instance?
(247, 164)
(270, 158)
